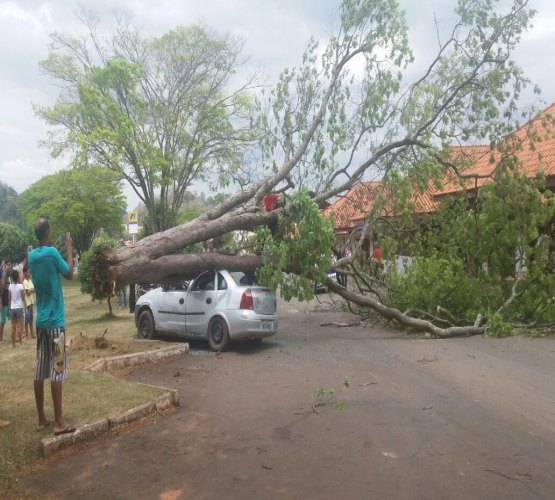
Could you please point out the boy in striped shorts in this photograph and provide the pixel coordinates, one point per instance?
(47, 265)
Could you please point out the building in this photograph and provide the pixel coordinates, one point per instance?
(466, 170)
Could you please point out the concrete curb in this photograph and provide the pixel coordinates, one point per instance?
(90, 431)
(137, 358)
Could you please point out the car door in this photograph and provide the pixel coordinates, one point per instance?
(200, 303)
(171, 310)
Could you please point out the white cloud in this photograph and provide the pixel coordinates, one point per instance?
(19, 173)
(37, 20)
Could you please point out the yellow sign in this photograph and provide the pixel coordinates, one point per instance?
(133, 217)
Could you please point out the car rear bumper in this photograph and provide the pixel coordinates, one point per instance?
(245, 325)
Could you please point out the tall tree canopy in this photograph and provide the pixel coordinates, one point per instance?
(12, 242)
(8, 205)
(346, 111)
(82, 201)
(160, 112)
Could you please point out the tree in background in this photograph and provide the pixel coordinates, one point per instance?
(159, 112)
(8, 206)
(12, 242)
(83, 201)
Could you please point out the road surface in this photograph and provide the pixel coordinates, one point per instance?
(421, 419)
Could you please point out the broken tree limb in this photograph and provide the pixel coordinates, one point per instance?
(394, 314)
(342, 325)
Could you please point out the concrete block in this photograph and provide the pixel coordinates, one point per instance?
(132, 414)
(97, 366)
(84, 433)
(138, 358)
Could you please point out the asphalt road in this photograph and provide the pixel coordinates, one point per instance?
(421, 419)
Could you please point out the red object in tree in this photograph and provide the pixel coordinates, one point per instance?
(269, 201)
(378, 254)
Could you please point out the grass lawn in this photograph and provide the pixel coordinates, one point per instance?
(87, 396)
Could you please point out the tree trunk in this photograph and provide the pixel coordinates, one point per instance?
(155, 260)
(174, 269)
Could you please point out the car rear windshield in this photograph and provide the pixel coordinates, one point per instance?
(242, 279)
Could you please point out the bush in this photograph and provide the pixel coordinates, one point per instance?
(93, 261)
(12, 242)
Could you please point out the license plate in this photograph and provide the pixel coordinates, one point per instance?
(267, 325)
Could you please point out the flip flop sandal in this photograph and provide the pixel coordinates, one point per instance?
(68, 430)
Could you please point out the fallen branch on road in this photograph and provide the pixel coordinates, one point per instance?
(341, 325)
(390, 313)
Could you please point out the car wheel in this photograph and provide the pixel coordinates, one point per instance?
(145, 326)
(218, 334)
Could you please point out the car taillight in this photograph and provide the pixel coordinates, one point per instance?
(246, 300)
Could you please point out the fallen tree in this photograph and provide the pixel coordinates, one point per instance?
(345, 114)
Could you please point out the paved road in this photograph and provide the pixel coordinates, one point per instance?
(422, 419)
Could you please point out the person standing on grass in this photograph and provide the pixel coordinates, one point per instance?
(4, 270)
(5, 299)
(30, 296)
(18, 305)
(46, 266)
(122, 296)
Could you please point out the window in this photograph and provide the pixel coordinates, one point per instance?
(222, 283)
(242, 279)
(205, 282)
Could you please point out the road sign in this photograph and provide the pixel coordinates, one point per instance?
(133, 217)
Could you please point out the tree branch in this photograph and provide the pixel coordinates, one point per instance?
(395, 314)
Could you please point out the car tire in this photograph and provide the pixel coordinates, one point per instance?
(145, 326)
(218, 334)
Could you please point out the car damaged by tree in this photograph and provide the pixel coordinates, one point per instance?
(218, 306)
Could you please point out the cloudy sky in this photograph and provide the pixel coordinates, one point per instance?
(274, 32)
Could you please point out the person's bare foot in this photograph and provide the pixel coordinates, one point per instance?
(43, 425)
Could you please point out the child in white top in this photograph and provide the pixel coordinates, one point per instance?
(30, 297)
(18, 304)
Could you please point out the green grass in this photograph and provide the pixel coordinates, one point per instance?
(87, 396)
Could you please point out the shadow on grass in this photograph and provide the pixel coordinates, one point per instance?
(112, 318)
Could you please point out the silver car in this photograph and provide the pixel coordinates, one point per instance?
(219, 306)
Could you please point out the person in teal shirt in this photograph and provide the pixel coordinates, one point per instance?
(47, 265)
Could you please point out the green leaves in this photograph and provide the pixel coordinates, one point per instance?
(473, 255)
(158, 112)
(301, 254)
(82, 201)
(94, 276)
(12, 242)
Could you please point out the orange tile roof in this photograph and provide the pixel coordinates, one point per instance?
(352, 209)
(356, 204)
(471, 160)
(481, 162)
